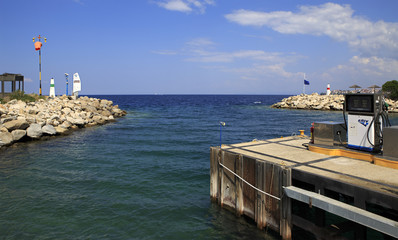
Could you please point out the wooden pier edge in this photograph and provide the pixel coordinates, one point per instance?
(286, 209)
(260, 198)
(252, 178)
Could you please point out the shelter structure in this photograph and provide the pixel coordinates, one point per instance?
(355, 87)
(9, 83)
(374, 88)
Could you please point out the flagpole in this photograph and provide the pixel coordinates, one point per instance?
(304, 85)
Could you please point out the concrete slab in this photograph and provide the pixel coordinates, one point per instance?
(289, 151)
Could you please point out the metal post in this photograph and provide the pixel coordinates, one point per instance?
(38, 47)
(40, 70)
(221, 125)
(220, 133)
(66, 76)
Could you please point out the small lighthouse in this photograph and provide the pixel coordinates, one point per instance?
(52, 88)
(328, 90)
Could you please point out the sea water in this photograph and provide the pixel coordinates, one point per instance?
(145, 176)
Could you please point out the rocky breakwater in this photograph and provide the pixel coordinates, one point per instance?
(322, 102)
(20, 121)
(312, 102)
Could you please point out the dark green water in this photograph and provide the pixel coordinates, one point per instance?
(145, 176)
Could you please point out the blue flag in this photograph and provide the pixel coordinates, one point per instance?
(306, 82)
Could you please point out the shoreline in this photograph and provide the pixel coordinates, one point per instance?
(315, 101)
(24, 122)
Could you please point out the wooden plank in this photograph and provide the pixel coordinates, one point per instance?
(214, 169)
(259, 197)
(228, 182)
(249, 194)
(286, 207)
(272, 216)
(239, 186)
(221, 179)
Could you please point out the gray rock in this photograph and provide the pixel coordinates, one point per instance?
(98, 119)
(106, 103)
(61, 130)
(55, 117)
(49, 130)
(66, 111)
(5, 138)
(76, 121)
(302, 106)
(89, 108)
(66, 124)
(18, 134)
(16, 124)
(7, 119)
(106, 113)
(34, 131)
(14, 101)
(3, 110)
(18, 105)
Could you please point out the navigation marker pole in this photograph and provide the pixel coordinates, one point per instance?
(222, 124)
(38, 45)
(66, 76)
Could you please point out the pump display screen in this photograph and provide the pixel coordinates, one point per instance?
(359, 103)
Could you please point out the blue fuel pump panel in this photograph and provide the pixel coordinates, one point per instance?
(361, 132)
(364, 123)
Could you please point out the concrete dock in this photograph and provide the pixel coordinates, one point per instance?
(274, 181)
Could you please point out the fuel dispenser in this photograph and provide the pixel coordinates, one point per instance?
(366, 114)
(366, 128)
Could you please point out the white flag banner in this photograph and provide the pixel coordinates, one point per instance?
(77, 87)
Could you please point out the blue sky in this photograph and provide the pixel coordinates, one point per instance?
(201, 46)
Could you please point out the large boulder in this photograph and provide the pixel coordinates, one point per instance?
(66, 111)
(16, 106)
(16, 124)
(76, 121)
(18, 134)
(89, 108)
(106, 103)
(66, 124)
(99, 119)
(49, 130)
(3, 109)
(302, 106)
(5, 138)
(106, 113)
(7, 119)
(61, 130)
(34, 131)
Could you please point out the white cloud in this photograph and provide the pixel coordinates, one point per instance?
(336, 21)
(201, 55)
(175, 5)
(364, 71)
(378, 66)
(185, 5)
(200, 42)
(270, 71)
(165, 52)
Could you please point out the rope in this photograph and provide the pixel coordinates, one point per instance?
(261, 191)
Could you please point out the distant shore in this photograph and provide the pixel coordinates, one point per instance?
(21, 121)
(321, 102)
